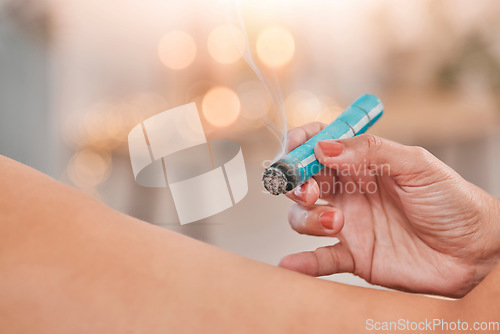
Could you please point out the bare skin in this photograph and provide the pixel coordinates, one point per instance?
(69, 264)
(424, 229)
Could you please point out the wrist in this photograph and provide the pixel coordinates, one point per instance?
(495, 227)
(483, 246)
(491, 231)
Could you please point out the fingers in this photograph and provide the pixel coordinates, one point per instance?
(300, 135)
(306, 194)
(320, 220)
(373, 153)
(323, 261)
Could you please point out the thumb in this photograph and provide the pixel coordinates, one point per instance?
(323, 261)
(374, 153)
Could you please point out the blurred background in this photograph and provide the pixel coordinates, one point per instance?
(76, 76)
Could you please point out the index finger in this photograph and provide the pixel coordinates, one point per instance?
(307, 193)
(300, 135)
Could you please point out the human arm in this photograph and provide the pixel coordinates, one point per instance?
(69, 264)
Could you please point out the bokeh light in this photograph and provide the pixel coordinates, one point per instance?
(221, 106)
(226, 44)
(303, 107)
(87, 168)
(275, 46)
(103, 124)
(177, 50)
(330, 110)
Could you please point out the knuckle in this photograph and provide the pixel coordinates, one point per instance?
(373, 142)
(322, 251)
(426, 160)
(296, 136)
(291, 132)
(328, 260)
(301, 129)
(333, 257)
(316, 124)
(421, 154)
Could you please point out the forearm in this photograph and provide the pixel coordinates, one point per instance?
(70, 264)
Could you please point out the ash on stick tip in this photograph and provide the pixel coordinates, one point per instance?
(274, 181)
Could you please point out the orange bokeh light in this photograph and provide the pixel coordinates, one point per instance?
(302, 107)
(87, 169)
(221, 106)
(177, 50)
(226, 44)
(275, 46)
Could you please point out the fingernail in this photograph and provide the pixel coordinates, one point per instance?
(299, 191)
(326, 219)
(331, 148)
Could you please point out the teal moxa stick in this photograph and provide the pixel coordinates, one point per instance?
(299, 165)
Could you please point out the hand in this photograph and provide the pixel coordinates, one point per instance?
(403, 218)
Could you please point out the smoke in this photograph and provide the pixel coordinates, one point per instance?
(270, 81)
